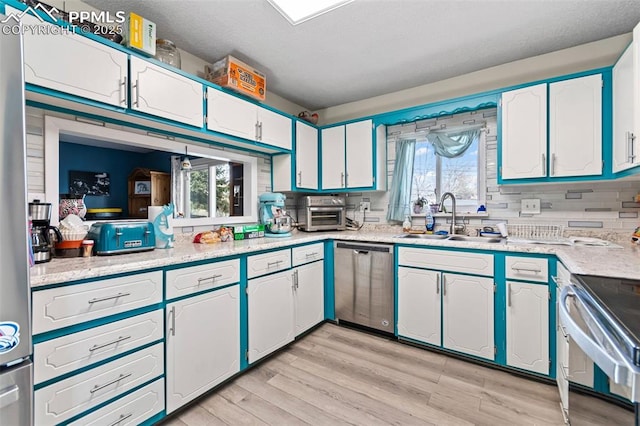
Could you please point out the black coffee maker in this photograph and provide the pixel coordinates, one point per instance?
(41, 228)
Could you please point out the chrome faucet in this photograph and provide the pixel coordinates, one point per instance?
(452, 229)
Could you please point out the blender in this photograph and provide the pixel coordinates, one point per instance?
(40, 214)
(277, 223)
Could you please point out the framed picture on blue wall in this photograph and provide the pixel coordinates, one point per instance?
(89, 183)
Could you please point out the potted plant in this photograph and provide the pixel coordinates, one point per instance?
(418, 204)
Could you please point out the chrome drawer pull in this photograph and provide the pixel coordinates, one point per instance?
(535, 271)
(123, 91)
(104, 299)
(212, 278)
(509, 294)
(96, 388)
(104, 345)
(315, 253)
(122, 418)
(276, 263)
(172, 329)
(438, 281)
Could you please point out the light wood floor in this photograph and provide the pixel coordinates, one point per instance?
(338, 376)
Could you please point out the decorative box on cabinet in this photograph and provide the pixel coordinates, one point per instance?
(147, 188)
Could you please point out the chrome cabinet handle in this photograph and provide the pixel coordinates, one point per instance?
(342, 179)
(553, 164)
(104, 299)
(172, 329)
(276, 263)
(256, 130)
(295, 279)
(508, 294)
(104, 345)
(315, 253)
(630, 154)
(96, 388)
(260, 131)
(122, 418)
(137, 87)
(299, 178)
(212, 278)
(544, 164)
(438, 283)
(535, 271)
(444, 285)
(123, 91)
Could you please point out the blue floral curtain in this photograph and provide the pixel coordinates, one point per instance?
(400, 192)
(452, 145)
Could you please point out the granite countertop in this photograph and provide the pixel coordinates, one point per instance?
(622, 261)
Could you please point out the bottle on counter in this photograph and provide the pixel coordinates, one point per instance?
(429, 221)
(406, 225)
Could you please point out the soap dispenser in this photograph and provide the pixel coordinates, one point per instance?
(406, 225)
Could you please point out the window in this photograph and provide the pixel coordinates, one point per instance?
(433, 175)
(209, 189)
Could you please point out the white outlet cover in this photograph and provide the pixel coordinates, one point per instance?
(530, 206)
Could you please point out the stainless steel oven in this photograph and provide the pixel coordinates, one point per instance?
(599, 321)
(322, 213)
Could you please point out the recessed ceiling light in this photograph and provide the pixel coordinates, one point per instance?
(298, 11)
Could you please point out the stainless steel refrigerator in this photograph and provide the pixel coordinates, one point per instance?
(16, 376)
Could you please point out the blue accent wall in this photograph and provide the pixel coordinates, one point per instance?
(118, 163)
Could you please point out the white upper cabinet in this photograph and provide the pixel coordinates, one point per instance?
(306, 156)
(158, 91)
(624, 146)
(524, 132)
(575, 127)
(359, 153)
(273, 128)
(82, 67)
(234, 116)
(333, 157)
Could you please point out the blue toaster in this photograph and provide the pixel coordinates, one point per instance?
(122, 237)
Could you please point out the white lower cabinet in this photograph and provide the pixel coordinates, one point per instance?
(419, 305)
(69, 397)
(528, 326)
(467, 314)
(202, 344)
(308, 296)
(271, 313)
(132, 409)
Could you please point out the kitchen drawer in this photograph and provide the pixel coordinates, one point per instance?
(454, 261)
(71, 352)
(133, 409)
(527, 268)
(267, 263)
(64, 306)
(192, 279)
(67, 398)
(306, 254)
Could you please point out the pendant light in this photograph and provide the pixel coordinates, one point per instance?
(185, 164)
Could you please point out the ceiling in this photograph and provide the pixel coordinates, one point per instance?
(372, 47)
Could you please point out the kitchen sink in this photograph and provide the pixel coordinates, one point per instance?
(476, 239)
(425, 236)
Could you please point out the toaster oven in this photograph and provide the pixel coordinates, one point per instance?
(322, 213)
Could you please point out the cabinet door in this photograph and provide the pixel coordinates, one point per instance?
(467, 314)
(271, 313)
(309, 296)
(419, 305)
(635, 46)
(164, 93)
(624, 148)
(231, 115)
(274, 129)
(306, 156)
(203, 344)
(575, 127)
(523, 130)
(333, 158)
(82, 67)
(528, 326)
(281, 178)
(359, 148)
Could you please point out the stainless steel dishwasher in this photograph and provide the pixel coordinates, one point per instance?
(363, 277)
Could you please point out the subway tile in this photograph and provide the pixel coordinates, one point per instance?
(598, 209)
(546, 205)
(573, 196)
(627, 215)
(497, 206)
(630, 205)
(585, 224)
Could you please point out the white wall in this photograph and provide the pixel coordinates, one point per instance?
(580, 58)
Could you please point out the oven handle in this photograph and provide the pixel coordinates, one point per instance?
(326, 209)
(615, 368)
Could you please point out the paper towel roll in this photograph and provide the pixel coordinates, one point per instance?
(162, 219)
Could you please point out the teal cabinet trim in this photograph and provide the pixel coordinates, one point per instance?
(395, 294)
(244, 315)
(329, 282)
(500, 309)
